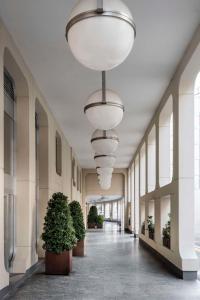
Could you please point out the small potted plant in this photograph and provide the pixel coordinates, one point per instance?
(151, 227)
(166, 234)
(92, 217)
(99, 221)
(143, 228)
(58, 236)
(78, 223)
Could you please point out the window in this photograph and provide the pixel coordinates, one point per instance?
(152, 159)
(9, 124)
(166, 143)
(77, 178)
(58, 154)
(73, 172)
(143, 170)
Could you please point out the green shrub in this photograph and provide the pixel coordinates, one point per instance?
(92, 217)
(150, 224)
(58, 232)
(100, 219)
(77, 217)
(166, 229)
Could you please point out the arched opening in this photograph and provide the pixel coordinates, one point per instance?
(186, 134)
(41, 159)
(18, 244)
(9, 171)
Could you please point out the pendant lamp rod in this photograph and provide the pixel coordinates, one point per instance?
(99, 6)
(104, 87)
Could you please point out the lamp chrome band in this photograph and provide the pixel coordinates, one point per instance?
(104, 138)
(104, 155)
(103, 103)
(98, 12)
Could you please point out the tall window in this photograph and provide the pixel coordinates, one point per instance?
(166, 143)
(58, 154)
(9, 124)
(73, 172)
(143, 170)
(152, 159)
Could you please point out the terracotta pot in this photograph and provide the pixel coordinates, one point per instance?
(58, 264)
(166, 242)
(100, 226)
(151, 235)
(79, 249)
(91, 225)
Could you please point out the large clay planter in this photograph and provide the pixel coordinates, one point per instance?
(91, 225)
(79, 249)
(151, 235)
(167, 242)
(100, 226)
(58, 264)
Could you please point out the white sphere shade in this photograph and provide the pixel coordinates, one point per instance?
(104, 141)
(104, 171)
(105, 186)
(105, 161)
(97, 41)
(104, 116)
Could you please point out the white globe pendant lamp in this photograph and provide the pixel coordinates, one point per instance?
(105, 185)
(105, 161)
(104, 171)
(104, 108)
(104, 141)
(100, 33)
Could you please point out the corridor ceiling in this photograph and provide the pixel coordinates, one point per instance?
(164, 29)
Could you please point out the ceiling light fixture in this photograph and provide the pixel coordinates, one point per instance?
(104, 108)
(105, 161)
(104, 141)
(101, 33)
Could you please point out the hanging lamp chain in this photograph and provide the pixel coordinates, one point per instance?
(103, 87)
(99, 6)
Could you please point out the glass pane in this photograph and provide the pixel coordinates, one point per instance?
(8, 144)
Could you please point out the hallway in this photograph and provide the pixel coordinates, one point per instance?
(115, 267)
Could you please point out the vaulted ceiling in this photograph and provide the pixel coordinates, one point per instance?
(164, 29)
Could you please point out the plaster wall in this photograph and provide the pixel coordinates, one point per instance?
(27, 92)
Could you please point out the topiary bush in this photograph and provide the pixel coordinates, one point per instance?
(78, 221)
(92, 217)
(100, 219)
(58, 232)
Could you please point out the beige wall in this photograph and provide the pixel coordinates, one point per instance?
(27, 92)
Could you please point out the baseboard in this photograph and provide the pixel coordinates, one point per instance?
(13, 286)
(186, 275)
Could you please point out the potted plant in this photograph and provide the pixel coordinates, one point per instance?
(92, 217)
(151, 227)
(58, 236)
(78, 223)
(99, 221)
(143, 228)
(166, 234)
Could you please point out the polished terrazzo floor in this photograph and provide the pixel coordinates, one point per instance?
(115, 267)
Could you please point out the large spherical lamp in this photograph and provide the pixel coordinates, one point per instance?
(100, 33)
(104, 141)
(104, 171)
(105, 161)
(104, 115)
